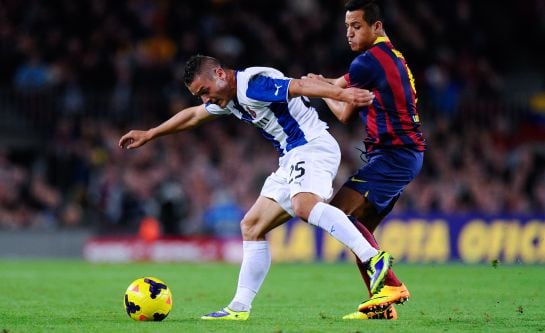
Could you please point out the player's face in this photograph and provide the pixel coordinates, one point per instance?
(359, 33)
(212, 88)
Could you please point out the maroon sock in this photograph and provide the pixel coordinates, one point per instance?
(390, 279)
(364, 276)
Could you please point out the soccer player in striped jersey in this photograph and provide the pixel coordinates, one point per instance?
(309, 159)
(394, 144)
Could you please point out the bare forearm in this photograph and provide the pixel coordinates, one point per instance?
(339, 81)
(315, 88)
(336, 107)
(320, 88)
(344, 112)
(183, 120)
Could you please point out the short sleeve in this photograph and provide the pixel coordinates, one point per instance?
(268, 89)
(216, 109)
(362, 72)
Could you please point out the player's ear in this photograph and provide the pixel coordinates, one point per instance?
(220, 73)
(377, 27)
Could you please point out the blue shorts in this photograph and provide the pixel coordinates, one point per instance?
(385, 176)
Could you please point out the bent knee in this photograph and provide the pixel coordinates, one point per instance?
(249, 227)
(301, 211)
(303, 203)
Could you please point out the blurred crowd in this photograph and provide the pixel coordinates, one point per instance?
(84, 72)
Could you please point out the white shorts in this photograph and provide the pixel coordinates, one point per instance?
(308, 168)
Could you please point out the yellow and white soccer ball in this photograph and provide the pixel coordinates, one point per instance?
(148, 298)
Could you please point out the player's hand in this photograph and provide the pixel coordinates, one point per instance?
(359, 97)
(134, 139)
(315, 77)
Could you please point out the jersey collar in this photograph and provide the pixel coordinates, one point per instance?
(381, 39)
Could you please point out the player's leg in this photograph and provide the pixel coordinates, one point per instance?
(354, 204)
(380, 305)
(392, 292)
(351, 203)
(264, 216)
(309, 207)
(366, 219)
(370, 196)
(312, 169)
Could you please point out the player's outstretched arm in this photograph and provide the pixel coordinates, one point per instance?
(340, 81)
(183, 120)
(342, 110)
(319, 88)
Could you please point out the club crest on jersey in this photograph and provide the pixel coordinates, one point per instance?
(251, 112)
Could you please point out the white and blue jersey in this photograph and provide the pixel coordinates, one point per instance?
(262, 100)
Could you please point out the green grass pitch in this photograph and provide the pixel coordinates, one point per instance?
(75, 296)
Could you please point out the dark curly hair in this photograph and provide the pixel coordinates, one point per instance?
(196, 65)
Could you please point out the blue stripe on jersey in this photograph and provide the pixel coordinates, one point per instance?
(266, 89)
(374, 70)
(362, 71)
(407, 88)
(389, 99)
(296, 137)
(248, 118)
(245, 115)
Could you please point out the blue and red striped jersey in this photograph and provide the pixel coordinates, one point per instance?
(392, 120)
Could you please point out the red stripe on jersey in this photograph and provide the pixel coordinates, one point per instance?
(413, 92)
(394, 81)
(407, 117)
(371, 125)
(347, 79)
(394, 139)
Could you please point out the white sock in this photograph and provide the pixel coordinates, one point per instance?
(255, 265)
(337, 224)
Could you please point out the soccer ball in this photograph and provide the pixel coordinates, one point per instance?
(148, 298)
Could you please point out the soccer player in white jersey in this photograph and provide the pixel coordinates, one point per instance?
(309, 159)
